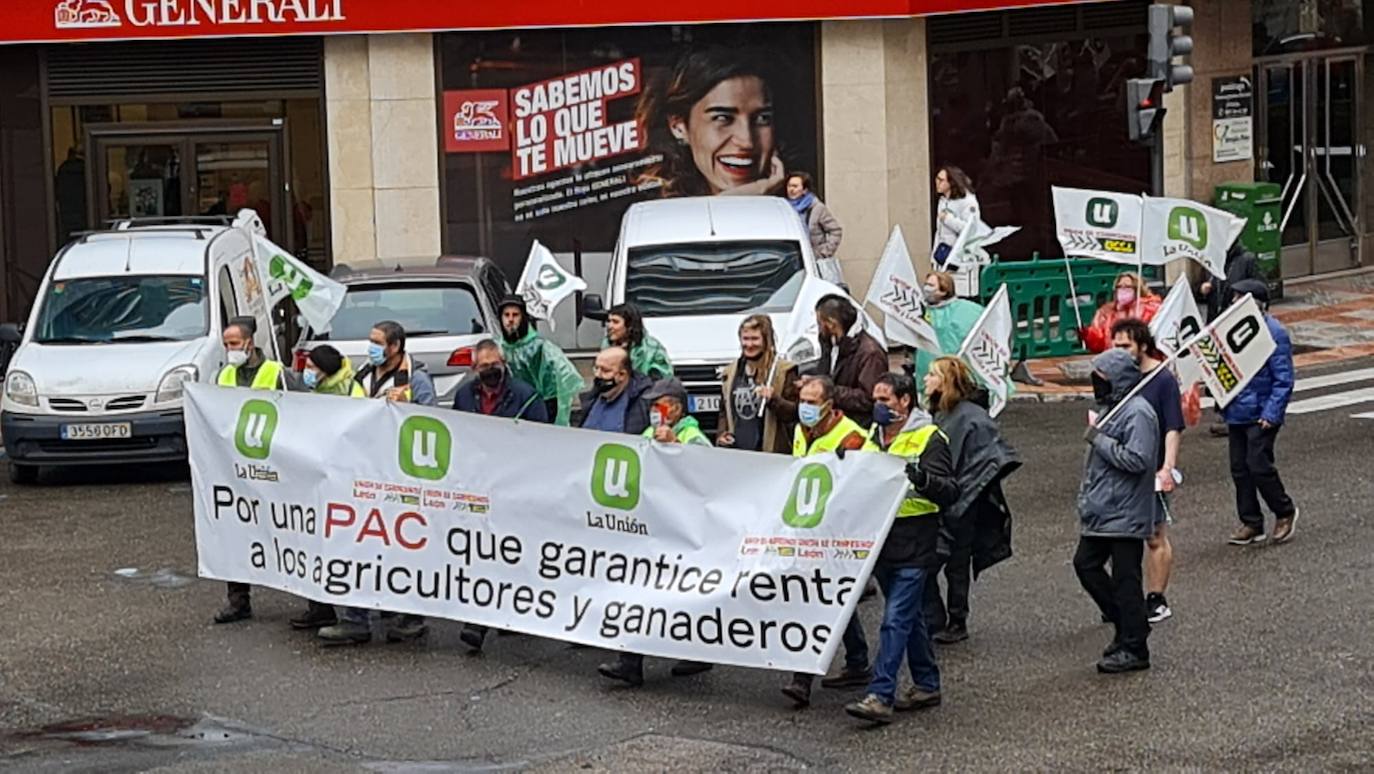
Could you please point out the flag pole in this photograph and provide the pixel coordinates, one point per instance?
(1073, 291)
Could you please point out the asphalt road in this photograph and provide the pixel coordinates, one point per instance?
(1266, 665)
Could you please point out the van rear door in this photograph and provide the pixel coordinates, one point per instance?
(236, 277)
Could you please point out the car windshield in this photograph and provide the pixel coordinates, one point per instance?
(447, 309)
(719, 278)
(100, 310)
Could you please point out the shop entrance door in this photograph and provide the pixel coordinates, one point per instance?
(175, 173)
(1309, 143)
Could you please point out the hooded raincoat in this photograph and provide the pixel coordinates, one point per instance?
(539, 362)
(341, 382)
(1117, 496)
(952, 321)
(648, 358)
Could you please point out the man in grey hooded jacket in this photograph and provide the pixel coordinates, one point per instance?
(1116, 508)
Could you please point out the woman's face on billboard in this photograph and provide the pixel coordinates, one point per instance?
(730, 132)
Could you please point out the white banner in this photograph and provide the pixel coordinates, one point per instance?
(1180, 228)
(317, 297)
(987, 349)
(800, 339)
(544, 284)
(1098, 224)
(1233, 349)
(1177, 321)
(897, 293)
(607, 540)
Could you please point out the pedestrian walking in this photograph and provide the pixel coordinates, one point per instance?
(1116, 507)
(823, 428)
(328, 372)
(908, 555)
(951, 317)
(852, 358)
(1253, 420)
(617, 401)
(625, 328)
(669, 423)
(538, 362)
(820, 223)
(975, 530)
(956, 211)
(756, 410)
(1162, 392)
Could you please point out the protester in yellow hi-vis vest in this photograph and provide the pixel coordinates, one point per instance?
(908, 555)
(328, 372)
(824, 428)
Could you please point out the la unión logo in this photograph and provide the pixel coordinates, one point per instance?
(811, 491)
(256, 426)
(1102, 213)
(425, 448)
(615, 477)
(1188, 225)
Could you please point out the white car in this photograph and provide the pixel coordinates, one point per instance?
(124, 318)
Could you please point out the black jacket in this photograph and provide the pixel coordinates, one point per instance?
(518, 400)
(1241, 264)
(636, 413)
(980, 519)
(912, 541)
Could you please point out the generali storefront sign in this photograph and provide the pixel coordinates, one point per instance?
(32, 21)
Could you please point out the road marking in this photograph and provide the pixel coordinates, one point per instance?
(1320, 382)
(1332, 401)
(1366, 415)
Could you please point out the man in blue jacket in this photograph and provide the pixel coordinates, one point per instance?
(1253, 419)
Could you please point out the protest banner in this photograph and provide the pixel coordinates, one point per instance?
(610, 541)
(317, 297)
(895, 291)
(1178, 321)
(1180, 228)
(987, 350)
(1231, 350)
(1098, 224)
(544, 284)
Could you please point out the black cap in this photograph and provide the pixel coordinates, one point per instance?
(512, 300)
(1254, 287)
(668, 388)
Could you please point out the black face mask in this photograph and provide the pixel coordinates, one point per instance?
(1102, 390)
(603, 385)
(491, 377)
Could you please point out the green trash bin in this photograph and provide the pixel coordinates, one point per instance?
(1261, 204)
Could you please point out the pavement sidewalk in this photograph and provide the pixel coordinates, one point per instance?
(1330, 321)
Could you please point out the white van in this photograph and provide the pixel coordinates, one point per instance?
(696, 267)
(124, 318)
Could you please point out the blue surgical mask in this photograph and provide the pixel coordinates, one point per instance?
(882, 414)
(376, 354)
(810, 415)
(310, 378)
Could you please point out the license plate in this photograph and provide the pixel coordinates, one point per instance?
(97, 432)
(705, 404)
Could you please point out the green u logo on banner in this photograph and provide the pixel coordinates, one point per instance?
(615, 477)
(1102, 213)
(1188, 225)
(425, 448)
(805, 507)
(256, 426)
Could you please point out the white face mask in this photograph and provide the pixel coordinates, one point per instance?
(237, 357)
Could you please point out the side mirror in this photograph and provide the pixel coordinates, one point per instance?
(593, 308)
(10, 333)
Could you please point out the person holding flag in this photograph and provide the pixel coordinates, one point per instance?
(758, 396)
(538, 362)
(950, 317)
(1133, 298)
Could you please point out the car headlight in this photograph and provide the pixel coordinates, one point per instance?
(173, 384)
(20, 389)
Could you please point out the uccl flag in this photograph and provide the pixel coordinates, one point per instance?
(1176, 323)
(317, 297)
(896, 292)
(1098, 224)
(987, 349)
(1181, 228)
(1233, 349)
(544, 284)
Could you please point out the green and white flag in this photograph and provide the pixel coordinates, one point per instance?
(544, 284)
(1180, 228)
(317, 297)
(1098, 224)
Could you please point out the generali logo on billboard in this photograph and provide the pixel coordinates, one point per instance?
(95, 14)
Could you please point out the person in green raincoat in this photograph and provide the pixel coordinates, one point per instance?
(327, 372)
(950, 316)
(537, 361)
(625, 328)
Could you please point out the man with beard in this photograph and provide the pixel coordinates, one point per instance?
(537, 361)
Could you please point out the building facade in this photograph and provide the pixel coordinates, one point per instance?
(366, 131)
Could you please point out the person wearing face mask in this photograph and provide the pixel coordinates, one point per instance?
(951, 318)
(669, 422)
(1133, 298)
(975, 530)
(328, 372)
(820, 225)
(853, 361)
(625, 328)
(823, 428)
(1116, 507)
(391, 373)
(759, 403)
(537, 361)
(616, 402)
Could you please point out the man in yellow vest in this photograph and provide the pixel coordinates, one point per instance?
(247, 367)
(908, 555)
(824, 428)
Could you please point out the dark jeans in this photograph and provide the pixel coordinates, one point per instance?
(903, 633)
(1253, 471)
(240, 595)
(1119, 596)
(958, 569)
(855, 646)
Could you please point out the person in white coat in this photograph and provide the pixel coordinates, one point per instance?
(958, 208)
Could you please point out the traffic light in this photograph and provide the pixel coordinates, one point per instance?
(1144, 108)
(1165, 45)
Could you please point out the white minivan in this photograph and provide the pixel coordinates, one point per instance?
(696, 267)
(124, 318)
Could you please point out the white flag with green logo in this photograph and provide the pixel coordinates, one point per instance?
(1181, 228)
(317, 297)
(1098, 224)
(544, 284)
(1174, 325)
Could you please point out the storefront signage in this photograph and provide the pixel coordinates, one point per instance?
(562, 122)
(75, 20)
(475, 121)
(1232, 123)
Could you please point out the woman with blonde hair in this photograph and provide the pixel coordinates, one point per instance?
(1133, 299)
(975, 532)
(758, 409)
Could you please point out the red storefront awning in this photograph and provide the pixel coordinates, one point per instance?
(78, 20)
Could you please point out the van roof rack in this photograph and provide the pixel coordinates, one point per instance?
(124, 224)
